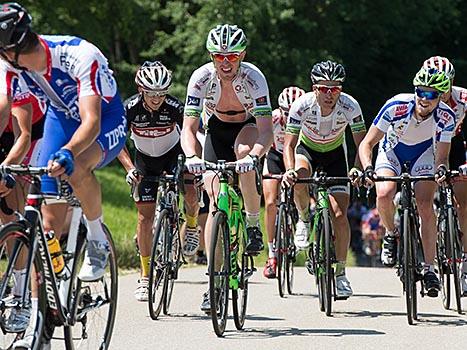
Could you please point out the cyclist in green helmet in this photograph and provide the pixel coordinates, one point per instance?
(234, 98)
(415, 128)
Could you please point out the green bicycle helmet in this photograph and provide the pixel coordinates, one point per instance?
(433, 78)
(226, 38)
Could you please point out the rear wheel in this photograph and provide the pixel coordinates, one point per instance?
(94, 303)
(14, 249)
(290, 248)
(240, 295)
(158, 266)
(219, 272)
(443, 266)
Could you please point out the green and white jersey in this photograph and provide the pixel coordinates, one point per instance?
(324, 134)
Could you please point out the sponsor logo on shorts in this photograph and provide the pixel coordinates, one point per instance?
(193, 101)
(423, 168)
(114, 136)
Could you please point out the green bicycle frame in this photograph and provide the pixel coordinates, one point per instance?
(321, 204)
(231, 203)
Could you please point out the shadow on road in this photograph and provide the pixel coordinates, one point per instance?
(374, 296)
(252, 333)
(197, 317)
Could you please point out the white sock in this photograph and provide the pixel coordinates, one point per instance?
(20, 279)
(429, 268)
(272, 252)
(95, 230)
(390, 233)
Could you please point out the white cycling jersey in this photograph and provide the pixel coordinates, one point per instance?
(11, 83)
(278, 121)
(395, 120)
(204, 92)
(324, 134)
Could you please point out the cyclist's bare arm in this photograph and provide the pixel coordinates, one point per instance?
(290, 142)
(22, 125)
(265, 136)
(189, 142)
(365, 150)
(125, 159)
(5, 109)
(442, 154)
(358, 138)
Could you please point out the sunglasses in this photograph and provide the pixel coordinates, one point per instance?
(429, 95)
(325, 89)
(231, 57)
(155, 93)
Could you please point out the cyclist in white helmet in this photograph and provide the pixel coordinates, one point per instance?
(155, 118)
(315, 139)
(274, 164)
(234, 98)
(456, 98)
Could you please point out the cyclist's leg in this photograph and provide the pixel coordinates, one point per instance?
(270, 191)
(190, 232)
(303, 167)
(339, 203)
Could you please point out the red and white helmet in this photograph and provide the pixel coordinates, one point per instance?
(442, 64)
(288, 96)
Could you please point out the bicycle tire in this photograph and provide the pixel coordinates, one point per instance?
(219, 280)
(15, 237)
(158, 265)
(240, 295)
(173, 264)
(281, 228)
(443, 267)
(290, 247)
(317, 262)
(408, 267)
(455, 258)
(329, 273)
(76, 336)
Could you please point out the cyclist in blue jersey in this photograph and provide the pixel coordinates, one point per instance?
(85, 124)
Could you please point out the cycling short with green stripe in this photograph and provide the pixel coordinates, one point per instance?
(333, 163)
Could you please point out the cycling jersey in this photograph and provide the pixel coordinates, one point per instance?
(204, 92)
(155, 133)
(458, 103)
(395, 120)
(278, 121)
(319, 133)
(38, 110)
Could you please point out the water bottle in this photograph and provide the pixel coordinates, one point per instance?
(56, 253)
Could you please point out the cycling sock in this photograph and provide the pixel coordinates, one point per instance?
(252, 219)
(96, 230)
(272, 253)
(33, 317)
(429, 268)
(304, 215)
(20, 279)
(340, 268)
(464, 262)
(192, 221)
(144, 265)
(390, 233)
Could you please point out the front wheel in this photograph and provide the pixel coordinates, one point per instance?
(443, 265)
(281, 249)
(94, 303)
(219, 272)
(410, 286)
(455, 250)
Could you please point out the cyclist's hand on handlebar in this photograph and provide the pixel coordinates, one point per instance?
(246, 164)
(355, 176)
(289, 177)
(441, 173)
(6, 184)
(463, 170)
(133, 177)
(195, 165)
(369, 176)
(61, 162)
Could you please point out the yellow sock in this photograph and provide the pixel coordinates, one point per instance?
(192, 221)
(144, 265)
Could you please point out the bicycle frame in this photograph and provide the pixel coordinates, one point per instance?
(231, 203)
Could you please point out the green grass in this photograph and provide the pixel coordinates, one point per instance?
(121, 217)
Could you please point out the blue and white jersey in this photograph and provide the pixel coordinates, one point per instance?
(395, 120)
(75, 68)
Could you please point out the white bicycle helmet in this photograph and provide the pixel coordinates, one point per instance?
(327, 70)
(288, 96)
(442, 64)
(153, 76)
(226, 38)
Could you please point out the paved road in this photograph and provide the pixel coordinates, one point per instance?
(373, 318)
